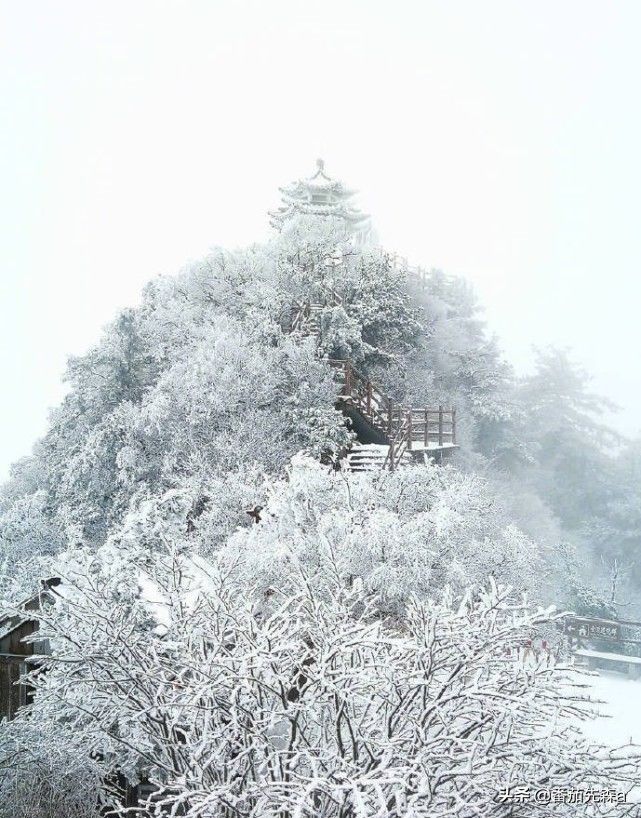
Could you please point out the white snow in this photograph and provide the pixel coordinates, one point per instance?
(610, 657)
(419, 446)
(620, 721)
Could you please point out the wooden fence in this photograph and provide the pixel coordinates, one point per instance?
(403, 428)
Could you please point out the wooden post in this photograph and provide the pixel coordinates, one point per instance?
(409, 429)
(440, 426)
(453, 426)
(368, 404)
(389, 419)
(426, 435)
(391, 455)
(348, 378)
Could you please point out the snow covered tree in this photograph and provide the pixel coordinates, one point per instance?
(46, 770)
(569, 441)
(411, 532)
(238, 399)
(257, 634)
(612, 530)
(321, 708)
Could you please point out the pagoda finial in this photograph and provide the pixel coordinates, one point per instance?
(320, 164)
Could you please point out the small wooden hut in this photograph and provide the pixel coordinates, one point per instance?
(15, 653)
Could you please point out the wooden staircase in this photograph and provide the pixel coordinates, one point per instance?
(407, 432)
(306, 318)
(388, 434)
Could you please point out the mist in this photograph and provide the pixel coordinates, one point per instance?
(495, 141)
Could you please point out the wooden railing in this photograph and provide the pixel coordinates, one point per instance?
(437, 425)
(401, 427)
(301, 311)
(367, 398)
(398, 445)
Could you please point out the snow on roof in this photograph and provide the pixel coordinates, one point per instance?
(17, 616)
(10, 623)
(319, 195)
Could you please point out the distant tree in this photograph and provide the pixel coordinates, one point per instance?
(118, 369)
(614, 528)
(570, 443)
(463, 367)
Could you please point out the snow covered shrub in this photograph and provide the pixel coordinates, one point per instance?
(411, 532)
(46, 771)
(321, 709)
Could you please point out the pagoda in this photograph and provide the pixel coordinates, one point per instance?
(320, 195)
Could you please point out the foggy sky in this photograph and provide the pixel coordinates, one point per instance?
(497, 140)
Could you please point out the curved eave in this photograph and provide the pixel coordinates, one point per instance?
(355, 221)
(301, 189)
(324, 210)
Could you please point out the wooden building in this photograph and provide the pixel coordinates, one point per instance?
(16, 660)
(15, 653)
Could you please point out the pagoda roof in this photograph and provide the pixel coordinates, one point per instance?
(318, 195)
(318, 181)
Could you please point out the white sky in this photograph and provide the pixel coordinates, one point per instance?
(499, 140)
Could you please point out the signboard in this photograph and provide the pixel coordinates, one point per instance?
(593, 628)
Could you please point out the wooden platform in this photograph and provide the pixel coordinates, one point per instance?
(611, 661)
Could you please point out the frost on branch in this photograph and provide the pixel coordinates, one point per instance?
(321, 708)
(410, 532)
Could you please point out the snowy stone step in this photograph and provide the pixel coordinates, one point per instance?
(369, 457)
